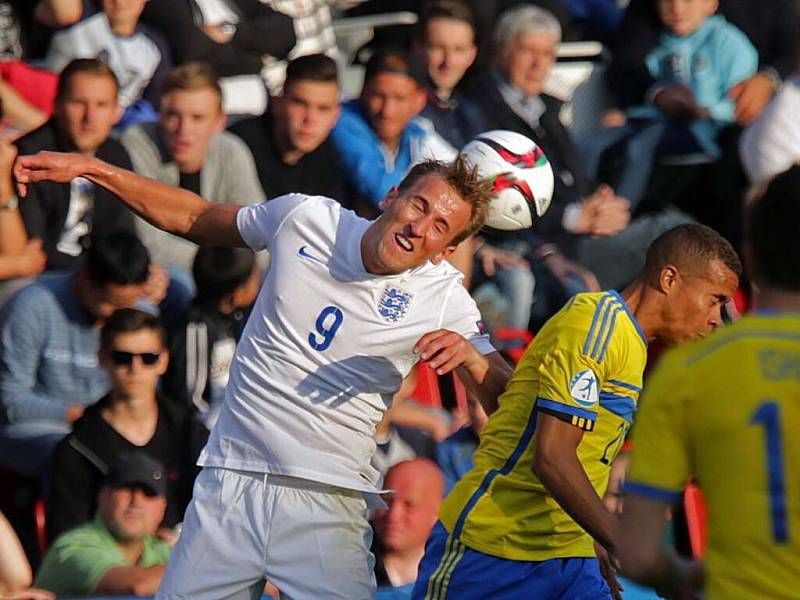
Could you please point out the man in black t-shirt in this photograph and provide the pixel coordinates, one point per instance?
(290, 143)
(65, 216)
(131, 418)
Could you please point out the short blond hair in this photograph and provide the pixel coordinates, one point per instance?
(192, 76)
(464, 180)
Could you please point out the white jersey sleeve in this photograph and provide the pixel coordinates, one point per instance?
(260, 223)
(461, 314)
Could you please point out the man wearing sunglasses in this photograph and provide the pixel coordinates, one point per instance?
(49, 336)
(132, 418)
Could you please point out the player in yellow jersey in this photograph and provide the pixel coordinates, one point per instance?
(524, 521)
(727, 410)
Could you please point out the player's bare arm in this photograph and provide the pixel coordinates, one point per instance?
(172, 209)
(643, 556)
(557, 466)
(485, 376)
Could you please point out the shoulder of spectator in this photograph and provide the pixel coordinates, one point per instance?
(41, 138)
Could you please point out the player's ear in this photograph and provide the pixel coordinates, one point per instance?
(669, 278)
(389, 198)
(443, 254)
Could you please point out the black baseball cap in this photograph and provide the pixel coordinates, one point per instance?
(396, 60)
(137, 468)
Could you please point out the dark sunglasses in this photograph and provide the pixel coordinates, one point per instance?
(121, 357)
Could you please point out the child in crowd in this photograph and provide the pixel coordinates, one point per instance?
(699, 58)
(202, 348)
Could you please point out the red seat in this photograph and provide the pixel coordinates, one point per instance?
(696, 519)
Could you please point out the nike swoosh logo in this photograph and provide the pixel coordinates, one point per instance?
(304, 253)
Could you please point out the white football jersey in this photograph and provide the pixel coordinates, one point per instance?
(326, 346)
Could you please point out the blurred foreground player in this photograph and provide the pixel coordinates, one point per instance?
(727, 410)
(528, 520)
(348, 308)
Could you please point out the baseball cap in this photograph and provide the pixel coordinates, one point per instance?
(137, 468)
(396, 60)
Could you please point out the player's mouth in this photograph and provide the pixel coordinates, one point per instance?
(404, 243)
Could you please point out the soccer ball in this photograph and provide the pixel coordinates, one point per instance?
(522, 177)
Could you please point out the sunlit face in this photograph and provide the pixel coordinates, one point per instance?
(528, 60)
(306, 114)
(694, 302)
(130, 514)
(391, 100)
(137, 377)
(684, 17)
(189, 120)
(417, 225)
(123, 13)
(88, 111)
(412, 509)
(449, 51)
(100, 301)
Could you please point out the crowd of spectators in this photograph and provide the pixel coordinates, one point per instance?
(116, 338)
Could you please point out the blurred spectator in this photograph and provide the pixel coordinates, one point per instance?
(377, 135)
(233, 36)
(65, 216)
(290, 142)
(115, 35)
(49, 370)
(116, 554)
(131, 419)
(15, 572)
(454, 455)
(771, 143)
(26, 25)
(314, 30)
(402, 529)
(699, 59)
(773, 28)
(585, 234)
(189, 148)
(445, 39)
(19, 257)
(202, 348)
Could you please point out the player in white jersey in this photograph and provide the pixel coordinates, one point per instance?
(349, 306)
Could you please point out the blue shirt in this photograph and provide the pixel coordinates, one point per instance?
(48, 353)
(370, 169)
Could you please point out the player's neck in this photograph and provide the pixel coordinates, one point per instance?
(635, 297)
(773, 300)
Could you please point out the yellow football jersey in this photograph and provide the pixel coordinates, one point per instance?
(727, 410)
(585, 367)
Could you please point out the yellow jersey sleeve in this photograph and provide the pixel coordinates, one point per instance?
(660, 462)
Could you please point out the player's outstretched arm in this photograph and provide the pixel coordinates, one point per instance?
(642, 554)
(169, 208)
(485, 376)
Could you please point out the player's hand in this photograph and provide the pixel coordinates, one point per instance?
(608, 567)
(445, 350)
(493, 258)
(751, 96)
(613, 496)
(59, 167)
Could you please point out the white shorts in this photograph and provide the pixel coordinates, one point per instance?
(309, 539)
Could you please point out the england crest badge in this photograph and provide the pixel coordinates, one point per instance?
(394, 303)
